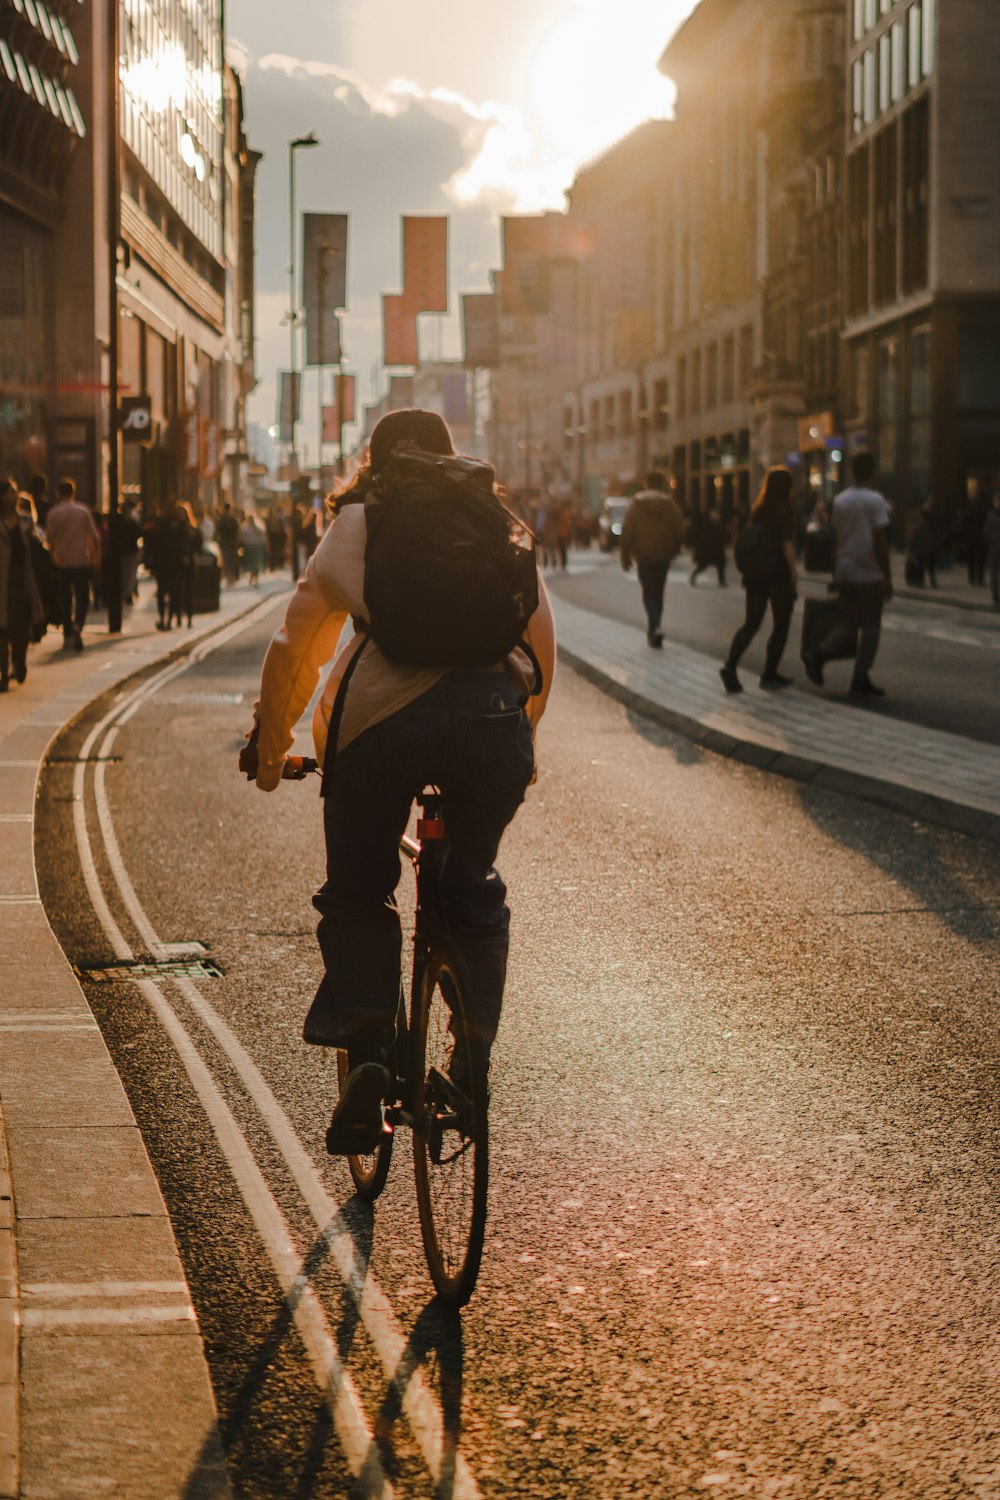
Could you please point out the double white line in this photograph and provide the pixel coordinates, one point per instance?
(447, 1467)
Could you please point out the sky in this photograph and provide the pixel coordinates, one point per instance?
(459, 107)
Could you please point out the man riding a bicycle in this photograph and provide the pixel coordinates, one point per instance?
(383, 730)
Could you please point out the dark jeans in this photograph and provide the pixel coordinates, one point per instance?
(781, 597)
(468, 736)
(863, 614)
(653, 582)
(74, 598)
(14, 647)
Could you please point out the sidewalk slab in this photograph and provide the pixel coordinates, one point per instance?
(925, 773)
(104, 1387)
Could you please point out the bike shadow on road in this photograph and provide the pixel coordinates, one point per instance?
(437, 1346)
(951, 876)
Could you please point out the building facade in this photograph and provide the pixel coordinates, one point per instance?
(922, 317)
(184, 274)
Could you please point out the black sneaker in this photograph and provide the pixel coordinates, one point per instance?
(814, 667)
(730, 681)
(775, 680)
(865, 688)
(357, 1125)
(655, 639)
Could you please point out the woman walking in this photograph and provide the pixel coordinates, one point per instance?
(773, 581)
(22, 611)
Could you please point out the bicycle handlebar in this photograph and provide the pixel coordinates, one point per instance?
(295, 767)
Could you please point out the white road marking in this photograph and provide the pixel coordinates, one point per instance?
(65, 1317)
(374, 1307)
(62, 1290)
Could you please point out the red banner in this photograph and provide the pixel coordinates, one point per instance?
(332, 420)
(191, 443)
(425, 263)
(211, 449)
(399, 317)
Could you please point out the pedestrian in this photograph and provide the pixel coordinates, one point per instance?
(252, 547)
(274, 527)
(549, 536)
(975, 521)
(652, 536)
(396, 727)
(172, 541)
(991, 541)
(564, 532)
(771, 580)
(924, 546)
(130, 532)
(862, 576)
(38, 488)
(227, 534)
(708, 546)
(22, 609)
(75, 548)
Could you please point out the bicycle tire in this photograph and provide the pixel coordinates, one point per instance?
(450, 1129)
(369, 1171)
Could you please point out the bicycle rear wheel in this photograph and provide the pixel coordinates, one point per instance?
(368, 1171)
(450, 1130)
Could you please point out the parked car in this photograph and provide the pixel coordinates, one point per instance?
(609, 522)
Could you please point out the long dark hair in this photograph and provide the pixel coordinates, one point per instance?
(775, 493)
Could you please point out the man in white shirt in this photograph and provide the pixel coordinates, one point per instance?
(861, 519)
(75, 546)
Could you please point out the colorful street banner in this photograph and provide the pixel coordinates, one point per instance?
(288, 403)
(425, 262)
(343, 400)
(481, 330)
(324, 284)
(399, 321)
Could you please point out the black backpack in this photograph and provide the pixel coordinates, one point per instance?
(754, 553)
(450, 573)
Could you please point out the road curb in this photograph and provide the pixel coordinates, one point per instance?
(806, 770)
(36, 1082)
(10, 1371)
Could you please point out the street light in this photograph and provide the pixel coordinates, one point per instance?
(298, 143)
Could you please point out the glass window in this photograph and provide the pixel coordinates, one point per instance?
(915, 22)
(859, 97)
(869, 86)
(859, 19)
(930, 19)
(869, 14)
(898, 62)
(884, 97)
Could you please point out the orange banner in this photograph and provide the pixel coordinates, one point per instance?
(399, 320)
(344, 397)
(425, 263)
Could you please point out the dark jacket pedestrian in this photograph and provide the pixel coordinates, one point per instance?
(172, 542)
(75, 547)
(708, 546)
(652, 536)
(991, 541)
(22, 610)
(227, 535)
(975, 525)
(774, 584)
(924, 545)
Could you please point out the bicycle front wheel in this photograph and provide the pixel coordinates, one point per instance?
(450, 1132)
(368, 1171)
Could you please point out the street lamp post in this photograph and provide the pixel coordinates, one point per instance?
(293, 306)
(113, 566)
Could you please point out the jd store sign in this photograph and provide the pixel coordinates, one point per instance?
(137, 419)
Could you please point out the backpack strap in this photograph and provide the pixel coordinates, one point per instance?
(336, 717)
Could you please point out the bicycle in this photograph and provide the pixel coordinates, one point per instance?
(438, 1070)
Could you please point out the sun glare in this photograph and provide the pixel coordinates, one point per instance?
(594, 75)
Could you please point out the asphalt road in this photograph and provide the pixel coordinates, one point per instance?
(940, 665)
(743, 1236)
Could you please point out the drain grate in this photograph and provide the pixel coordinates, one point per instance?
(116, 970)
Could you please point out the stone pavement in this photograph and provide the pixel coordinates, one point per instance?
(104, 1387)
(927, 774)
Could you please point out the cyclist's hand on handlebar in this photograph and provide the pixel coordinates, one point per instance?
(248, 755)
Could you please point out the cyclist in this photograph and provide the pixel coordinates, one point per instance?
(468, 731)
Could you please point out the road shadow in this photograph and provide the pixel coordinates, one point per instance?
(436, 1346)
(685, 752)
(952, 876)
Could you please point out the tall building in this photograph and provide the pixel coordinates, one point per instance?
(754, 231)
(185, 258)
(42, 128)
(922, 328)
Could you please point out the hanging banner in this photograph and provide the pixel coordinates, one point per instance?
(399, 320)
(527, 258)
(324, 284)
(211, 448)
(425, 263)
(288, 404)
(191, 442)
(400, 392)
(481, 330)
(344, 396)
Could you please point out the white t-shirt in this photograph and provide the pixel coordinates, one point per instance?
(857, 515)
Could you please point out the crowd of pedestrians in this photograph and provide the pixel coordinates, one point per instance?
(54, 560)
